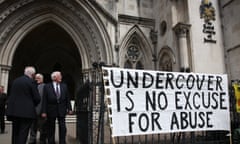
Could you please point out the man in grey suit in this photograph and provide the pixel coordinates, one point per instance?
(23, 99)
(39, 123)
(56, 104)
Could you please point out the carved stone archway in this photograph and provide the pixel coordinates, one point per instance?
(166, 59)
(135, 39)
(76, 18)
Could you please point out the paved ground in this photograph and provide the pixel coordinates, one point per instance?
(71, 134)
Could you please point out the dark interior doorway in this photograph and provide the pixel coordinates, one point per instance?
(48, 47)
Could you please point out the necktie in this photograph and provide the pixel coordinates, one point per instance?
(57, 91)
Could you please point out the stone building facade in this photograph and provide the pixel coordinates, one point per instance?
(231, 33)
(70, 35)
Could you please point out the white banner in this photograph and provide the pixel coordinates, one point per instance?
(151, 102)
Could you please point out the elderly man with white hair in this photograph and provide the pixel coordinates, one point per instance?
(56, 104)
(23, 99)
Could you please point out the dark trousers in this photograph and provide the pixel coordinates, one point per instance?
(20, 129)
(2, 121)
(51, 130)
(38, 125)
(83, 127)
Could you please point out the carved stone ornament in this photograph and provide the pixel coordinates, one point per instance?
(133, 53)
(181, 29)
(207, 11)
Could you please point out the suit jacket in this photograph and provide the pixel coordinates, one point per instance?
(39, 106)
(52, 106)
(3, 102)
(23, 98)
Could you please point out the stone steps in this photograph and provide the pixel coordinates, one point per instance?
(69, 119)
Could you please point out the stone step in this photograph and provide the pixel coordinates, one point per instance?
(69, 119)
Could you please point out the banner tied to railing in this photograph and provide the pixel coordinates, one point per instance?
(151, 102)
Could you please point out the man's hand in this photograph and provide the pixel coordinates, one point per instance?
(70, 112)
(44, 115)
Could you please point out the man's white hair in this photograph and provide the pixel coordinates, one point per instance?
(39, 75)
(54, 74)
(29, 71)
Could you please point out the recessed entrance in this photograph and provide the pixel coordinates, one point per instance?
(48, 47)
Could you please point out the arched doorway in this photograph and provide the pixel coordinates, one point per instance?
(75, 21)
(48, 47)
(53, 35)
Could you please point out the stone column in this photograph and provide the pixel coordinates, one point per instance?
(154, 38)
(4, 76)
(181, 30)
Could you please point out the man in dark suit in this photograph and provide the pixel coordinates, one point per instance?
(3, 100)
(22, 100)
(56, 104)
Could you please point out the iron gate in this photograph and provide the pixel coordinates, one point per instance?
(93, 123)
(90, 107)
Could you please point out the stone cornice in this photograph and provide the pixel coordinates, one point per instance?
(136, 20)
(181, 29)
(5, 67)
